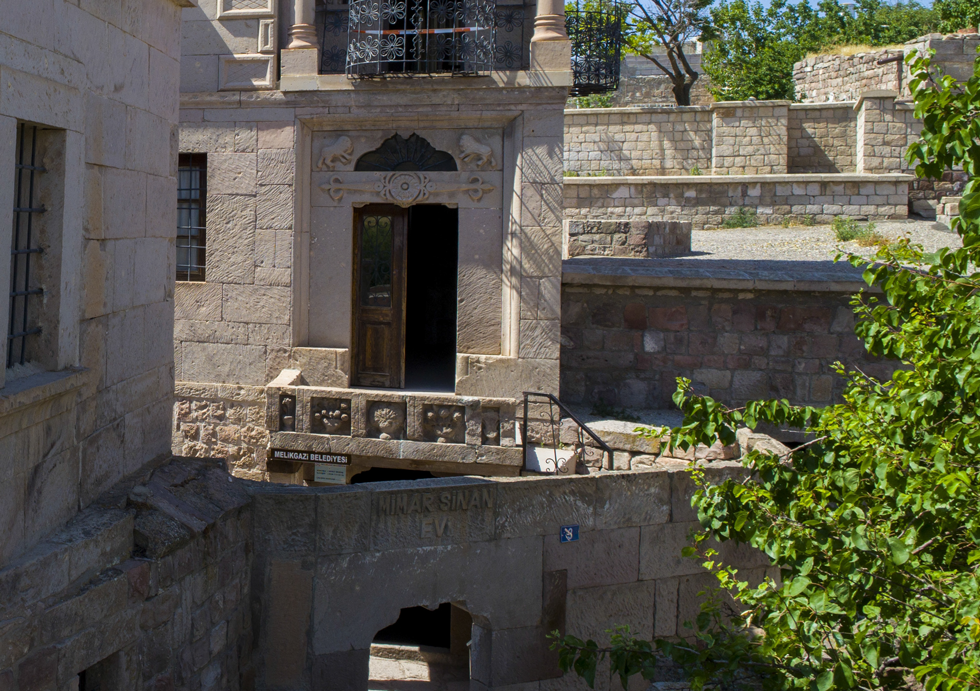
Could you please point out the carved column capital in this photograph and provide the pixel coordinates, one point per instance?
(303, 30)
(549, 21)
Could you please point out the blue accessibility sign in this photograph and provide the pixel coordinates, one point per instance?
(569, 533)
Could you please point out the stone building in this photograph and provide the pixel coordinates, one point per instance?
(369, 255)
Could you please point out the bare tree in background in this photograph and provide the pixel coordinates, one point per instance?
(670, 25)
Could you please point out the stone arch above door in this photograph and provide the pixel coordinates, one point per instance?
(400, 154)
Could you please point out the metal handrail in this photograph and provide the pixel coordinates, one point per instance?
(563, 408)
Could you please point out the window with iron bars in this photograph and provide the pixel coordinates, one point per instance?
(24, 291)
(192, 175)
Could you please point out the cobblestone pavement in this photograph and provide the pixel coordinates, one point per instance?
(807, 243)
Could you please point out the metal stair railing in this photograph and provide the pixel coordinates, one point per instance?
(580, 447)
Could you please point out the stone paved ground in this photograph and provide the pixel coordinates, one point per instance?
(806, 243)
(411, 675)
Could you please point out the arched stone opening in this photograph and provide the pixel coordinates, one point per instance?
(425, 649)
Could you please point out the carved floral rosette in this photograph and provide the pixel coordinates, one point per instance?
(387, 420)
(444, 424)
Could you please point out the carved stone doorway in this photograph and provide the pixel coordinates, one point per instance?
(404, 297)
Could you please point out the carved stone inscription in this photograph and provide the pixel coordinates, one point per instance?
(413, 518)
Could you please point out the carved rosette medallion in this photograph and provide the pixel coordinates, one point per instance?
(387, 420)
(331, 416)
(444, 424)
(405, 188)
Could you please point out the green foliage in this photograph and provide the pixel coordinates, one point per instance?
(809, 220)
(696, 171)
(742, 217)
(873, 522)
(845, 229)
(957, 14)
(753, 47)
(594, 101)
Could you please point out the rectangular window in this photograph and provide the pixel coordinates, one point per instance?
(192, 176)
(25, 291)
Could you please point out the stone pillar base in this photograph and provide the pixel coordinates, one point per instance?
(551, 56)
(300, 61)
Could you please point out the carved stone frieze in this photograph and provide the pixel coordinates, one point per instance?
(331, 416)
(287, 413)
(386, 420)
(445, 424)
(341, 151)
(491, 426)
(473, 152)
(405, 189)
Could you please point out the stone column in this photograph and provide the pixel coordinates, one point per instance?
(549, 22)
(882, 136)
(551, 51)
(303, 31)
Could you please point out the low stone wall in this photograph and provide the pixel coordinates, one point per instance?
(738, 330)
(637, 141)
(646, 90)
(642, 239)
(333, 566)
(822, 138)
(705, 201)
(829, 78)
(948, 209)
(146, 594)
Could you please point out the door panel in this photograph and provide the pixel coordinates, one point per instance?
(379, 293)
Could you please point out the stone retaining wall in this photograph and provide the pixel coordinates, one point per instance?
(146, 594)
(705, 201)
(333, 566)
(822, 139)
(625, 345)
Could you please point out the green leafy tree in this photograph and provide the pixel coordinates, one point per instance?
(660, 31)
(873, 522)
(954, 15)
(753, 47)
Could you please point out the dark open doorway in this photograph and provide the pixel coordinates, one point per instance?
(430, 298)
(424, 649)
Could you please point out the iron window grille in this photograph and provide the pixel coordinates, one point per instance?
(192, 177)
(411, 37)
(23, 307)
(596, 33)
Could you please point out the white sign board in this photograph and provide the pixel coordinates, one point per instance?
(334, 474)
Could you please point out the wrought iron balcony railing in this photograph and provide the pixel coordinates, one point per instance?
(384, 38)
(596, 33)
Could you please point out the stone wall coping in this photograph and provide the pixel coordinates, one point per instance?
(874, 93)
(633, 110)
(40, 387)
(338, 82)
(806, 276)
(748, 104)
(230, 392)
(736, 179)
(819, 105)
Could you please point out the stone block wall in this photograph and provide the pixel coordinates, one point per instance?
(150, 596)
(325, 560)
(626, 346)
(646, 90)
(235, 326)
(705, 201)
(637, 141)
(749, 138)
(822, 139)
(641, 239)
(830, 78)
(93, 401)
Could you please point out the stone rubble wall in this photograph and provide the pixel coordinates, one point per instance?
(706, 201)
(830, 78)
(625, 346)
(145, 593)
(822, 139)
(335, 565)
(648, 90)
(641, 239)
(223, 421)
